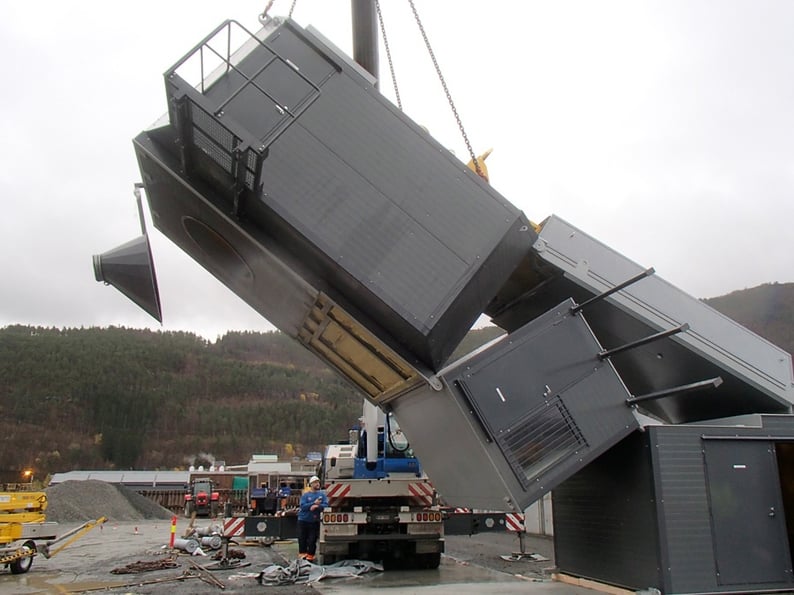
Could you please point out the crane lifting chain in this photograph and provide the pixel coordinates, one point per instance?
(388, 55)
(269, 5)
(474, 159)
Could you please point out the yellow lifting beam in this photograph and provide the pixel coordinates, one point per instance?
(69, 538)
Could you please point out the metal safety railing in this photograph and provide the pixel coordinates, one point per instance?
(225, 110)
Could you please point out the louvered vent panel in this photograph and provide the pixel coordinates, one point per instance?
(540, 439)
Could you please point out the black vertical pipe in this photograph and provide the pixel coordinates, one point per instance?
(365, 36)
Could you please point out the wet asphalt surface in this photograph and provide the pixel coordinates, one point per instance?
(470, 565)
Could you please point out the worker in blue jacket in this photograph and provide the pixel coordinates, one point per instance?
(312, 503)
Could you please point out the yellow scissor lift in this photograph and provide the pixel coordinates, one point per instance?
(23, 528)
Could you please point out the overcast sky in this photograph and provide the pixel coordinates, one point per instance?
(664, 129)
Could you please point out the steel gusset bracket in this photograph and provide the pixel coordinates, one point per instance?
(616, 288)
(676, 390)
(650, 339)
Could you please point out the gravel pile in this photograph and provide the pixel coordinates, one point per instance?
(78, 501)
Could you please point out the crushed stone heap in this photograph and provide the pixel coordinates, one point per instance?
(79, 501)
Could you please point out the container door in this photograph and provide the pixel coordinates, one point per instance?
(748, 521)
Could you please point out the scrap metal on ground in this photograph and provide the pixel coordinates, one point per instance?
(146, 566)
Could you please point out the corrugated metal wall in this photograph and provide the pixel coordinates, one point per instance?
(605, 519)
(648, 513)
(688, 552)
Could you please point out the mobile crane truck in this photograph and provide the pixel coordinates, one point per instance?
(381, 505)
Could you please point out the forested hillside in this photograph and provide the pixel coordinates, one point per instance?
(126, 398)
(123, 398)
(767, 310)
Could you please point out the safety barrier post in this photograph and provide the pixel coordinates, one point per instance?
(173, 532)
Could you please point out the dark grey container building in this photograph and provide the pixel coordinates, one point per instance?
(705, 508)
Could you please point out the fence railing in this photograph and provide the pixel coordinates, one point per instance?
(174, 500)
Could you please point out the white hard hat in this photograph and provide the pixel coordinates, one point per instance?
(314, 478)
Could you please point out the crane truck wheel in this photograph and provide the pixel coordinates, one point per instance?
(399, 563)
(22, 565)
(428, 561)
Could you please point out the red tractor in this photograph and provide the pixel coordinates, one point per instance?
(202, 499)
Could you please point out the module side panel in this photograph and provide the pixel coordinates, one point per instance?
(404, 229)
(458, 461)
(523, 415)
(203, 228)
(365, 243)
(661, 306)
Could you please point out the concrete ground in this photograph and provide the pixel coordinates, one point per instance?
(470, 565)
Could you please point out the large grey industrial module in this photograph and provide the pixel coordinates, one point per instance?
(289, 143)
(520, 415)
